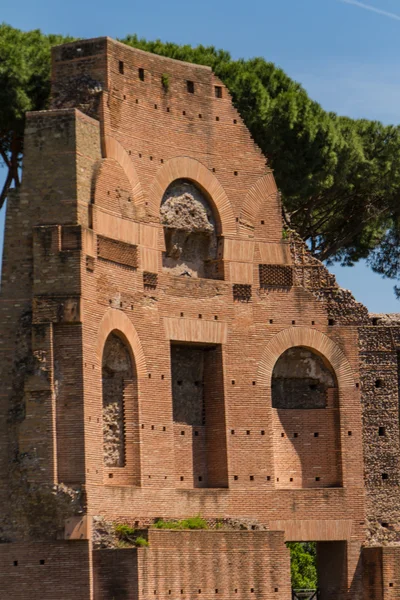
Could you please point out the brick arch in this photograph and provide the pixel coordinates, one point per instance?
(183, 167)
(309, 338)
(264, 188)
(113, 149)
(115, 320)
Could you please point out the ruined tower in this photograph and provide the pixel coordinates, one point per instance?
(168, 350)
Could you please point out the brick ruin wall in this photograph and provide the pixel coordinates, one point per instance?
(138, 344)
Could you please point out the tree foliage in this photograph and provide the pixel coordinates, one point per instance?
(24, 86)
(339, 177)
(303, 565)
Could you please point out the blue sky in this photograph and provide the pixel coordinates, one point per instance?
(344, 52)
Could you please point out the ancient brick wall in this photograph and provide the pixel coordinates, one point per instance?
(246, 564)
(92, 263)
(224, 563)
(379, 345)
(45, 571)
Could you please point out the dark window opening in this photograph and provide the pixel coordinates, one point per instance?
(121, 67)
(382, 431)
(218, 91)
(141, 74)
(198, 403)
(190, 87)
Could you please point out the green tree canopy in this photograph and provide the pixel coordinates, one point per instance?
(303, 565)
(24, 86)
(339, 177)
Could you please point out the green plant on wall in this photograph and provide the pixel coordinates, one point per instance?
(141, 542)
(165, 82)
(127, 537)
(190, 523)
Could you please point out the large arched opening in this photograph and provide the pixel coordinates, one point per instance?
(120, 412)
(306, 421)
(191, 231)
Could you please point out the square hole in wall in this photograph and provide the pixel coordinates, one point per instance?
(382, 431)
(190, 87)
(218, 91)
(385, 476)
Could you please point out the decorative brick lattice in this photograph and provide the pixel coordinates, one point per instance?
(118, 252)
(150, 280)
(241, 292)
(275, 276)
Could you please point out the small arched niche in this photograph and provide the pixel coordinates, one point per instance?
(119, 387)
(306, 421)
(190, 231)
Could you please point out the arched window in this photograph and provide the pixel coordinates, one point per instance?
(119, 384)
(306, 421)
(190, 230)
